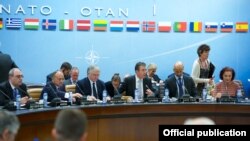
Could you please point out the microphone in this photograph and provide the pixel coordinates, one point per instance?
(53, 90)
(118, 95)
(79, 89)
(80, 100)
(10, 104)
(186, 93)
(55, 101)
(5, 94)
(24, 92)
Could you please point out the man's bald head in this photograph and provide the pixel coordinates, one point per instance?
(178, 68)
(58, 78)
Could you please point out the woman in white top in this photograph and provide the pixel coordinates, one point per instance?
(201, 69)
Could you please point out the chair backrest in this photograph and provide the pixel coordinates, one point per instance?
(35, 93)
(241, 86)
(70, 88)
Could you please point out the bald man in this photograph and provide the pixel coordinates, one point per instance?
(13, 85)
(52, 88)
(179, 84)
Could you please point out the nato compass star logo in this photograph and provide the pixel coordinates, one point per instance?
(92, 57)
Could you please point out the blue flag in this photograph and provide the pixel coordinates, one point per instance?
(49, 24)
(13, 23)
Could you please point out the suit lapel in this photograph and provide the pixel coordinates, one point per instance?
(134, 84)
(9, 90)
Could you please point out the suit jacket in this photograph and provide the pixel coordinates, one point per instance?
(84, 87)
(156, 78)
(170, 83)
(6, 92)
(6, 64)
(52, 91)
(110, 89)
(129, 86)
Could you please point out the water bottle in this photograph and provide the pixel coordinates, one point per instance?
(166, 96)
(45, 99)
(70, 98)
(136, 95)
(204, 94)
(104, 97)
(18, 100)
(239, 95)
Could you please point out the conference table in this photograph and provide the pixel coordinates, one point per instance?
(130, 121)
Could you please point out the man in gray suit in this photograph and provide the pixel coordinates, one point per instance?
(6, 64)
(179, 84)
(74, 73)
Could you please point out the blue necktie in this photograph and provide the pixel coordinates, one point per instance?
(180, 87)
(15, 92)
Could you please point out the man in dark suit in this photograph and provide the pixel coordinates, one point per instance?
(112, 86)
(180, 84)
(52, 88)
(65, 69)
(138, 81)
(14, 85)
(91, 86)
(6, 64)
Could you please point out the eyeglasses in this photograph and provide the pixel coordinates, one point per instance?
(19, 76)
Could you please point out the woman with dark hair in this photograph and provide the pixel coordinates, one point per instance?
(227, 87)
(112, 86)
(203, 69)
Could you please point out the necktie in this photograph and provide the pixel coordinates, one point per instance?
(94, 91)
(15, 91)
(180, 87)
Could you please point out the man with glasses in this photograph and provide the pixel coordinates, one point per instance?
(9, 125)
(10, 88)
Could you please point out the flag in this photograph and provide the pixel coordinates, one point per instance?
(195, 26)
(13, 23)
(148, 26)
(133, 26)
(211, 26)
(1, 23)
(83, 25)
(49, 24)
(180, 26)
(241, 27)
(226, 26)
(116, 25)
(31, 24)
(66, 24)
(100, 25)
(164, 26)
